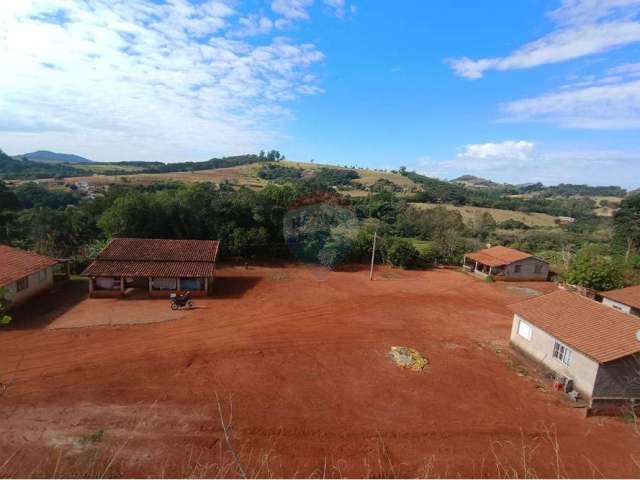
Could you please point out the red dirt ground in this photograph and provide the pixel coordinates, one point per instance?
(301, 355)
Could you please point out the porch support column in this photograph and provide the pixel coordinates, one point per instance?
(91, 284)
(122, 286)
(150, 284)
(206, 286)
(178, 284)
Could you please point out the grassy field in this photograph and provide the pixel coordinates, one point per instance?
(242, 175)
(468, 213)
(105, 167)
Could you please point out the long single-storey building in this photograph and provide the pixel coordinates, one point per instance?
(24, 274)
(626, 300)
(503, 263)
(582, 340)
(158, 266)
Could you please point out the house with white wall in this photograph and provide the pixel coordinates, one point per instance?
(578, 338)
(626, 300)
(24, 274)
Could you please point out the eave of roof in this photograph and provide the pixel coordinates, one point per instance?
(125, 268)
(629, 296)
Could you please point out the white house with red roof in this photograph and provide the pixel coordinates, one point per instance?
(580, 339)
(24, 274)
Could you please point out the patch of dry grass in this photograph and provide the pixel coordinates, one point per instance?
(469, 212)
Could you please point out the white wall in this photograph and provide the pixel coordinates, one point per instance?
(617, 305)
(581, 369)
(35, 287)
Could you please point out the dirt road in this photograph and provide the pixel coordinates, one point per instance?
(301, 355)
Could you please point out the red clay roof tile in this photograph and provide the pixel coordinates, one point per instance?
(599, 332)
(629, 296)
(498, 256)
(16, 264)
(147, 257)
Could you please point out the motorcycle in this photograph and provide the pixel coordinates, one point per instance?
(178, 302)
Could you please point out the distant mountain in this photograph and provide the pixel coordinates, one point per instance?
(46, 156)
(20, 168)
(473, 181)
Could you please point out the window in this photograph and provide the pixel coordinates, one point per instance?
(538, 268)
(42, 276)
(165, 283)
(524, 330)
(562, 353)
(192, 284)
(22, 284)
(518, 268)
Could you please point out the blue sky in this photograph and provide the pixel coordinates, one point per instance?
(514, 91)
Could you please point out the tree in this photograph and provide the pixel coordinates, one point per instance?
(483, 224)
(626, 225)
(592, 268)
(4, 305)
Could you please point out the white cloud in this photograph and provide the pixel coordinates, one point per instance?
(583, 27)
(294, 10)
(253, 25)
(133, 79)
(509, 150)
(524, 161)
(600, 104)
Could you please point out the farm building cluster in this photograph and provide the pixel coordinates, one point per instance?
(592, 347)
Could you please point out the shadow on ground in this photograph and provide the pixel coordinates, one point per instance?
(42, 310)
(234, 287)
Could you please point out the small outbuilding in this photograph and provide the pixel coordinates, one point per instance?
(503, 263)
(24, 274)
(157, 266)
(626, 300)
(580, 339)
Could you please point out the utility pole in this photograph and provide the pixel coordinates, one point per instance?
(373, 254)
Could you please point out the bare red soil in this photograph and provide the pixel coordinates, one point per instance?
(301, 355)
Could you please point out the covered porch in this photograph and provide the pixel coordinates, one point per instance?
(480, 268)
(123, 286)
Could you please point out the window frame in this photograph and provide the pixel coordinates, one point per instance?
(562, 353)
(517, 268)
(22, 284)
(522, 323)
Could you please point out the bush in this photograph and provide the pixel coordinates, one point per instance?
(402, 253)
(334, 252)
(513, 224)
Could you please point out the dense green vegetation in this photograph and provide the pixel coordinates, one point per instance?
(321, 225)
(279, 173)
